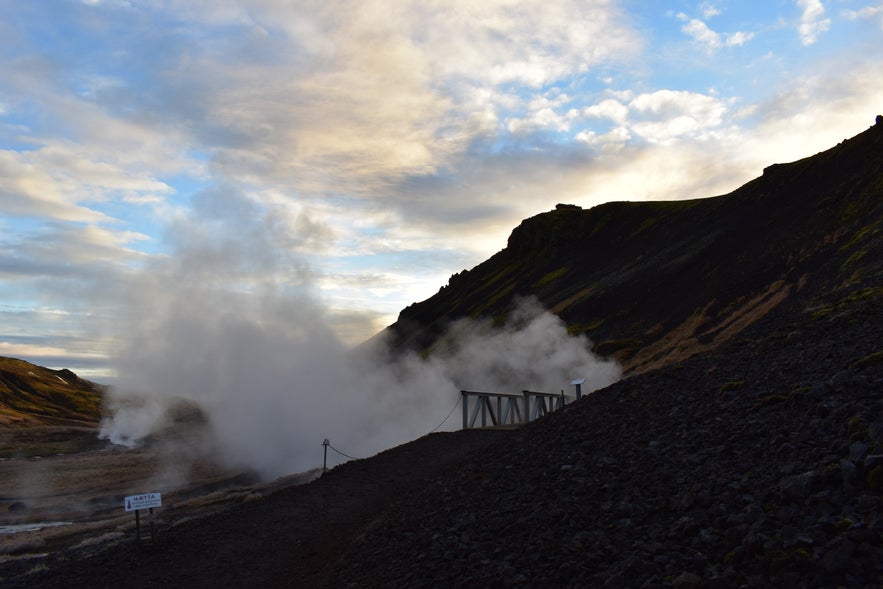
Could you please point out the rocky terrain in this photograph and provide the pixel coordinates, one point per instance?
(757, 464)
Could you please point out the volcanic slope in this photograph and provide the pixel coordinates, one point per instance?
(652, 283)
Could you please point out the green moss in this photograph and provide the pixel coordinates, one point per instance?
(817, 314)
(731, 386)
(579, 328)
(781, 559)
(551, 276)
(643, 226)
(866, 231)
(869, 361)
(831, 471)
(854, 258)
(773, 400)
(858, 429)
(801, 391)
(861, 295)
(614, 346)
(875, 478)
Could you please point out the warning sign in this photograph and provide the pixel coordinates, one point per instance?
(143, 501)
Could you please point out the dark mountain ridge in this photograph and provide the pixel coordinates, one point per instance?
(654, 282)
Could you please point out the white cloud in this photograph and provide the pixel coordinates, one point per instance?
(709, 10)
(608, 109)
(812, 21)
(702, 34)
(866, 12)
(613, 140)
(738, 39)
(670, 114)
(351, 104)
(61, 180)
(710, 39)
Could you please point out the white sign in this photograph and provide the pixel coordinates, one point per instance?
(143, 501)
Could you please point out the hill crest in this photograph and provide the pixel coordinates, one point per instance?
(652, 283)
(34, 395)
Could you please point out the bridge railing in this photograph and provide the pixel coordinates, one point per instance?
(500, 409)
(537, 404)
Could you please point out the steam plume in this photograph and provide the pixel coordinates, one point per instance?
(274, 380)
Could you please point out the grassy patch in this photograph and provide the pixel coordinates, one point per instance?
(857, 296)
(618, 346)
(580, 328)
(643, 226)
(731, 386)
(866, 231)
(854, 259)
(869, 361)
(551, 276)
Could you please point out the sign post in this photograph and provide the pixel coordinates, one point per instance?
(143, 501)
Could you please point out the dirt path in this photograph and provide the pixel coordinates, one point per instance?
(292, 537)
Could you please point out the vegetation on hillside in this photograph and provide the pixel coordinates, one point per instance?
(654, 282)
(31, 394)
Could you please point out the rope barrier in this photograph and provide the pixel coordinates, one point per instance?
(451, 412)
(327, 444)
(342, 454)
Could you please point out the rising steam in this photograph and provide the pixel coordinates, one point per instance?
(273, 379)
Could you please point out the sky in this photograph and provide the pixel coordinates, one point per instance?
(348, 156)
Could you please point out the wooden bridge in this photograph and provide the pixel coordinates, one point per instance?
(506, 409)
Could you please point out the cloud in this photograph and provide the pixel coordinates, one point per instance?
(710, 39)
(812, 21)
(395, 89)
(669, 114)
(709, 10)
(701, 33)
(610, 109)
(866, 12)
(738, 39)
(364, 151)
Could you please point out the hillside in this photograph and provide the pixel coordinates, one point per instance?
(34, 395)
(744, 448)
(654, 282)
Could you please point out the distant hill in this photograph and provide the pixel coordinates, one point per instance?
(652, 283)
(34, 395)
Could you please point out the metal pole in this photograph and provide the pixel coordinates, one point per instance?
(465, 409)
(325, 443)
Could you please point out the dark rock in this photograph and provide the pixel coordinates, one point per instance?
(838, 555)
(857, 451)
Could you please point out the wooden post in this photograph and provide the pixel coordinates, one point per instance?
(138, 525)
(325, 443)
(152, 519)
